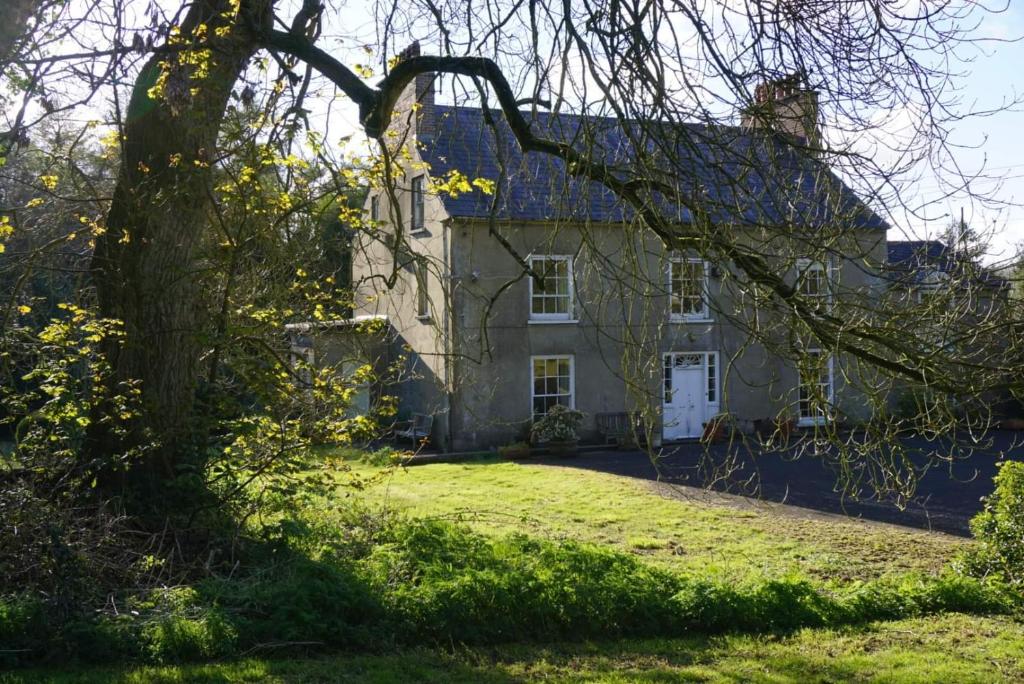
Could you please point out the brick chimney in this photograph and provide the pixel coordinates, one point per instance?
(420, 90)
(784, 106)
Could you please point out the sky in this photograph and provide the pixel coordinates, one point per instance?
(995, 143)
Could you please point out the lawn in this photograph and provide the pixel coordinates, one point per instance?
(951, 648)
(680, 528)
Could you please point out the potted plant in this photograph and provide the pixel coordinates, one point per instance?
(515, 451)
(715, 429)
(556, 430)
(785, 425)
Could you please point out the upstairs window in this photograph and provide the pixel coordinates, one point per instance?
(417, 203)
(813, 281)
(815, 390)
(551, 299)
(688, 288)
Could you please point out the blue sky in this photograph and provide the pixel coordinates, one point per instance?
(998, 139)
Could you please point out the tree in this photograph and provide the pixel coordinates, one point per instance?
(652, 68)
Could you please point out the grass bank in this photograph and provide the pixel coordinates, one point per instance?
(676, 528)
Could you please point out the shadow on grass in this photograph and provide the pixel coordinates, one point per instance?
(949, 648)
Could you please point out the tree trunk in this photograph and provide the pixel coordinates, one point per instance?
(145, 265)
(14, 16)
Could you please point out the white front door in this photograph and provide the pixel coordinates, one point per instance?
(686, 401)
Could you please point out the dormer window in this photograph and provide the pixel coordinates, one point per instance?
(688, 289)
(417, 203)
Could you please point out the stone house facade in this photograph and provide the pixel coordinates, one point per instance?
(609, 321)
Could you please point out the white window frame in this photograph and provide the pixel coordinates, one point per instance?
(417, 193)
(702, 316)
(805, 266)
(569, 315)
(533, 379)
(710, 359)
(830, 398)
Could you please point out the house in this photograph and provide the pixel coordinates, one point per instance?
(547, 290)
(919, 269)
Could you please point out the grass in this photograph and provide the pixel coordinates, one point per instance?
(679, 529)
(950, 648)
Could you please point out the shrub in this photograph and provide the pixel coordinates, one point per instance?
(999, 529)
(559, 424)
(24, 629)
(186, 628)
(779, 604)
(385, 456)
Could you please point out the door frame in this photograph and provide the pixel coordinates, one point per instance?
(710, 371)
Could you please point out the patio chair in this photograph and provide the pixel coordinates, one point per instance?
(418, 429)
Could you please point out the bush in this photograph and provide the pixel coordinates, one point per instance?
(559, 424)
(186, 628)
(999, 529)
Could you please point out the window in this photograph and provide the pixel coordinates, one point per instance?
(551, 299)
(688, 289)
(815, 391)
(813, 280)
(375, 208)
(552, 382)
(417, 203)
(422, 296)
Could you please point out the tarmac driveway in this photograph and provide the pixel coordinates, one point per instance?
(946, 498)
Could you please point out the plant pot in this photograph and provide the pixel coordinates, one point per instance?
(562, 449)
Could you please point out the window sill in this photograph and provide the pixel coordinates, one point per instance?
(691, 320)
(553, 321)
(419, 232)
(422, 318)
(811, 422)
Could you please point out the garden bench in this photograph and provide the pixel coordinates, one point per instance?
(617, 428)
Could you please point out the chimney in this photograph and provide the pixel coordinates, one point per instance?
(420, 90)
(787, 108)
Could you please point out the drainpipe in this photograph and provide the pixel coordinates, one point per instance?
(447, 332)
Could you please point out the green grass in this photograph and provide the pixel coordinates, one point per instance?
(725, 538)
(682, 530)
(951, 648)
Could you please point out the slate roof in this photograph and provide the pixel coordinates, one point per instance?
(742, 177)
(912, 253)
(914, 261)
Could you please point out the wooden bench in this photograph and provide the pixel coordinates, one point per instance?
(617, 428)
